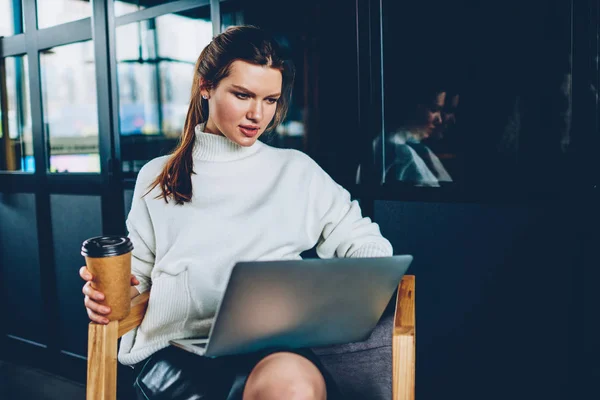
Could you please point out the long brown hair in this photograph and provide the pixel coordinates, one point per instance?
(245, 43)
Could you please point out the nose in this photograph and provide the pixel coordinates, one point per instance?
(255, 112)
(449, 118)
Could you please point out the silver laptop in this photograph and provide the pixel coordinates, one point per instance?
(300, 303)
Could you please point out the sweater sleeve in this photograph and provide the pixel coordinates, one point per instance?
(409, 167)
(343, 231)
(141, 234)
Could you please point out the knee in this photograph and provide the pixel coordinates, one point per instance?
(285, 376)
(271, 389)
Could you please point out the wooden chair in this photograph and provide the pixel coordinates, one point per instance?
(102, 347)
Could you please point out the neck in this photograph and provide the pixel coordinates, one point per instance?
(215, 147)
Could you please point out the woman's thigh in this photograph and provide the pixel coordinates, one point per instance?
(282, 373)
(178, 375)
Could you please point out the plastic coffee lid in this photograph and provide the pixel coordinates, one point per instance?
(106, 246)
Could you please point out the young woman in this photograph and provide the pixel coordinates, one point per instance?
(223, 197)
(419, 116)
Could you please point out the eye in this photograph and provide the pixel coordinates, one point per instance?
(272, 100)
(242, 96)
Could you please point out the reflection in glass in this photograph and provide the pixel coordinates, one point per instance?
(11, 22)
(418, 118)
(68, 76)
(129, 6)
(16, 148)
(155, 62)
(55, 12)
(472, 99)
(291, 133)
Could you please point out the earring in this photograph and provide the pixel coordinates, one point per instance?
(205, 97)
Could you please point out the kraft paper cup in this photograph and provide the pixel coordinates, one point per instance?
(108, 258)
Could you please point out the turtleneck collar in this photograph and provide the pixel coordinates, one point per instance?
(404, 136)
(211, 147)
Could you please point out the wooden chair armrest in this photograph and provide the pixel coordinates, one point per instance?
(102, 350)
(139, 304)
(102, 346)
(403, 343)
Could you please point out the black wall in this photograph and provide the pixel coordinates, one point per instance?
(496, 287)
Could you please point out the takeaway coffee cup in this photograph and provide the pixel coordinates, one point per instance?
(108, 258)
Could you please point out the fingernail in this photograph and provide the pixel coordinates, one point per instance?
(99, 297)
(105, 321)
(105, 310)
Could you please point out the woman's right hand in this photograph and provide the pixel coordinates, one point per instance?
(96, 311)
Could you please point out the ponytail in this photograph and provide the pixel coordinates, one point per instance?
(175, 180)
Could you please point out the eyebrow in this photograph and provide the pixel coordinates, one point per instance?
(243, 89)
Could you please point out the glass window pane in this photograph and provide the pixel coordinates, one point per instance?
(11, 17)
(175, 95)
(481, 95)
(123, 7)
(182, 38)
(68, 75)
(16, 147)
(155, 66)
(55, 12)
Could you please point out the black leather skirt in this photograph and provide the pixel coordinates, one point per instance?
(175, 374)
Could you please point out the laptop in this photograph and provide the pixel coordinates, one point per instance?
(300, 303)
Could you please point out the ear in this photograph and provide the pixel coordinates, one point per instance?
(204, 89)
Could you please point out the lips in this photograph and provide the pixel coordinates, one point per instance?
(249, 130)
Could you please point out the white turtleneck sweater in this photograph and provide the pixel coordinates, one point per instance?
(249, 204)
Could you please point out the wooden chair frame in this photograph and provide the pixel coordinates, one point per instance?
(102, 347)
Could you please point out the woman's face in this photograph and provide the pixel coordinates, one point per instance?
(448, 117)
(244, 103)
(430, 115)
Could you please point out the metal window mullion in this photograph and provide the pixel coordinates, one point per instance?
(112, 204)
(594, 61)
(99, 32)
(111, 57)
(215, 16)
(59, 35)
(379, 97)
(35, 91)
(42, 196)
(156, 11)
(17, 182)
(5, 143)
(19, 99)
(116, 181)
(364, 86)
(12, 45)
(157, 79)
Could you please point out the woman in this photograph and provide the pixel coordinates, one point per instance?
(223, 197)
(418, 117)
